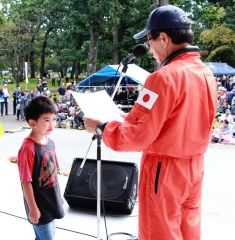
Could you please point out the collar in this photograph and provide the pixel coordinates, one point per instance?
(179, 52)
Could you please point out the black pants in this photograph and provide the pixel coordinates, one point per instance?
(14, 106)
(2, 105)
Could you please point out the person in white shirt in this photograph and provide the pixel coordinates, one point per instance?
(6, 97)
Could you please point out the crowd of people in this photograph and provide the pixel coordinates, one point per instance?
(68, 112)
(224, 123)
(70, 115)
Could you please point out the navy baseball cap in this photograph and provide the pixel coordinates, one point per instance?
(165, 17)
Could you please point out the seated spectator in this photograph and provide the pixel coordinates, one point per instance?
(222, 105)
(222, 92)
(230, 96)
(46, 92)
(62, 114)
(232, 109)
(68, 95)
(216, 128)
(227, 115)
(78, 119)
(226, 132)
(223, 134)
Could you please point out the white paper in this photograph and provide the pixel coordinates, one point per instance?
(98, 105)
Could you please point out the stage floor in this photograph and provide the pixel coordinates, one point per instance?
(218, 208)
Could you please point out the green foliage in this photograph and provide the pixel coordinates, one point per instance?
(224, 53)
(71, 24)
(224, 3)
(219, 42)
(217, 36)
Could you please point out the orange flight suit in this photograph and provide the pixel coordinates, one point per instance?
(171, 123)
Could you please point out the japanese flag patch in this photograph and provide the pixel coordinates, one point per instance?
(147, 98)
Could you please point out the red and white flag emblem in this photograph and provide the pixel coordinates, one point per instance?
(147, 98)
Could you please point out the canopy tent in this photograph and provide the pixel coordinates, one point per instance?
(109, 76)
(220, 68)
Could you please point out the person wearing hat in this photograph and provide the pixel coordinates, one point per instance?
(170, 123)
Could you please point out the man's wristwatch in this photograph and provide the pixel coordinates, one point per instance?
(100, 128)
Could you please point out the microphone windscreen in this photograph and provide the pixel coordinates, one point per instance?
(140, 50)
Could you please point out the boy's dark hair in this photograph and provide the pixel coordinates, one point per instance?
(38, 106)
(178, 36)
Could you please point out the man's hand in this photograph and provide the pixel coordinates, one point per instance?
(91, 124)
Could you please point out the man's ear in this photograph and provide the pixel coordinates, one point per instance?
(32, 123)
(164, 39)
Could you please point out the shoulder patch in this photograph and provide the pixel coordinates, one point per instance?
(147, 98)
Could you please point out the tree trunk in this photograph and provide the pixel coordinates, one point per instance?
(76, 70)
(61, 72)
(43, 52)
(21, 68)
(32, 59)
(72, 71)
(158, 3)
(93, 50)
(116, 51)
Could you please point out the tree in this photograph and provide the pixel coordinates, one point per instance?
(15, 40)
(224, 53)
(219, 48)
(88, 34)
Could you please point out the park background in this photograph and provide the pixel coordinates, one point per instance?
(78, 37)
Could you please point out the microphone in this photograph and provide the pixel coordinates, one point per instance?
(138, 52)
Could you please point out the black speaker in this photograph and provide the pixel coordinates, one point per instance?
(119, 183)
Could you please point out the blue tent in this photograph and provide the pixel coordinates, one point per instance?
(220, 68)
(109, 75)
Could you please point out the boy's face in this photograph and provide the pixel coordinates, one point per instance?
(45, 124)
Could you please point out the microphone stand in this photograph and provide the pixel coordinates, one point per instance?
(124, 69)
(98, 138)
(98, 210)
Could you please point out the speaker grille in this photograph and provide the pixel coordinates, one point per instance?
(113, 181)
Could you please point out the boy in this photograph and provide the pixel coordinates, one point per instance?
(37, 163)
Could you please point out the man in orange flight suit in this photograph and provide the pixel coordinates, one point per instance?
(170, 122)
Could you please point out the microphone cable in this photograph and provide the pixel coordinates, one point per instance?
(60, 228)
(81, 233)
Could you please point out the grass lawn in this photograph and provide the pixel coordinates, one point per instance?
(30, 86)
